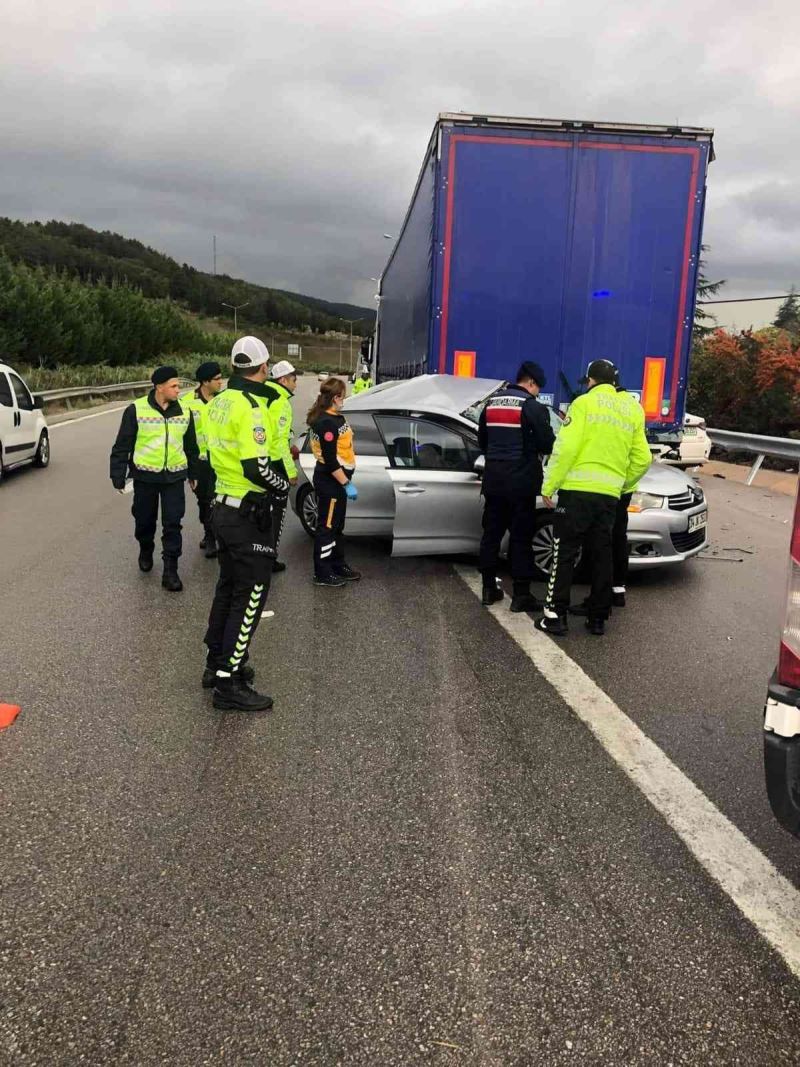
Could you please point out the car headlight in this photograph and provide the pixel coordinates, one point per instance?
(645, 502)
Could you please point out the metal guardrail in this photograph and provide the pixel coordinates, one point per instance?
(78, 391)
(782, 447)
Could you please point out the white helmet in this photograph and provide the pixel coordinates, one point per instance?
(249, 352)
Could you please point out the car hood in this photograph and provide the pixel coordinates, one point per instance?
(665, 481)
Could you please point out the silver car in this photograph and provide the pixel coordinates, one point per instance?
(418, 479)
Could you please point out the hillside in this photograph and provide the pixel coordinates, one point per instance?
(92, 255)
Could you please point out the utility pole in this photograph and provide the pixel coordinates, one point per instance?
(235, 308)
(351, 321)
(214, 246)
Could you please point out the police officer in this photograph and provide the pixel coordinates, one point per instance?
(281, 389)
(619, 548)
(363, 383)
(209, 383)
(513, 433)
(157, 447)
(600, 454)
(237, 427)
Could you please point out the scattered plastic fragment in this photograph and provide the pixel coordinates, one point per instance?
(8, 712)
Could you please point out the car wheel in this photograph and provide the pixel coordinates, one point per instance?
(544, 547)
(42, 457)
(308, 510)
(1, 465)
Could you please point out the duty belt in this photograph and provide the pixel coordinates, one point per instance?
(231, 501)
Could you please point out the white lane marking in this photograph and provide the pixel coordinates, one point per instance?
(759, 891)
(83, 418)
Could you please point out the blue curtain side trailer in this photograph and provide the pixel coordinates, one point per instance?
(551, 240)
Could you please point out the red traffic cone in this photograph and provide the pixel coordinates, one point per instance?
(8, 712)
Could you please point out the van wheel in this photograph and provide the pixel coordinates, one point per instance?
(308, 509)
(42, 457)
(544, 548)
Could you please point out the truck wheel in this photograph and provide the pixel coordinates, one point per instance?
(42, 457)
(307, 509)
(543, 546)
(782, 773)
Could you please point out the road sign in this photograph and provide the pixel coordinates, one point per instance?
(294, 350)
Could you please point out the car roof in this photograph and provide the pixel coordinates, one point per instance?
(443, 393)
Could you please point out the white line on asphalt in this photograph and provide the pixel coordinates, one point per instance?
(759, 891)
(82, 418)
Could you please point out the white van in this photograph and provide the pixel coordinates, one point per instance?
(24, 436)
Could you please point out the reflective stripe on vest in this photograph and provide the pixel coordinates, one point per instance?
(159, 440)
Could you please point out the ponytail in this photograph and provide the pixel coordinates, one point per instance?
(328, 389)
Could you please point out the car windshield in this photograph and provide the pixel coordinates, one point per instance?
(473, 412)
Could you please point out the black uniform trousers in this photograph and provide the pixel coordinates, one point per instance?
(582, 519)
(515, 513)
(246, 554)
(619, 541)
(204, 492)
(146, 499)
(279, 507)
(331, 514)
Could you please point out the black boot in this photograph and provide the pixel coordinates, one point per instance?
(618, 600)
(492, 590)
(245, 672)
(523, 600)
(596, 627)
(344, 570)
(145, 559)
(209, 544)
(278, 566)
(556, 627)
(169, 578)
(234, 694)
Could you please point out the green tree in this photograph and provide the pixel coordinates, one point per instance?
(788, 317)
(704, 321)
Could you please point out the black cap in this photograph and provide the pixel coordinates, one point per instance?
(602, 371)
(532, 370)
(163, 374)
(206, 371)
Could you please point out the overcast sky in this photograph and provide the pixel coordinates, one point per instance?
(294, 130)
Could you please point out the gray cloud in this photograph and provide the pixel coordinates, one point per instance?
(294, 131)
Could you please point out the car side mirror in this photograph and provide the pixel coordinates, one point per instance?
(479, 466)
(38, 403)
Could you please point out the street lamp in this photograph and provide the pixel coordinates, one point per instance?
(235, 308)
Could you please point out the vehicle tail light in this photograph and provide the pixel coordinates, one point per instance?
(789, 662)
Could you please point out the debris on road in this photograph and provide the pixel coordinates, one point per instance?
(8, 713)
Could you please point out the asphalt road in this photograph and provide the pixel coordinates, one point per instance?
(420, 856)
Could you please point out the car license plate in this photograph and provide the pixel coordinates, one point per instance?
(690, 431)
(696, 522)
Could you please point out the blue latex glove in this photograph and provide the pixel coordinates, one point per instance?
(351, 491)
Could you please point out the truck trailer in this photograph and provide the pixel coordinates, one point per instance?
(552, 240)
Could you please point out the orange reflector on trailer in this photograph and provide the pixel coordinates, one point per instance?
(655, 372)
(464, 364)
